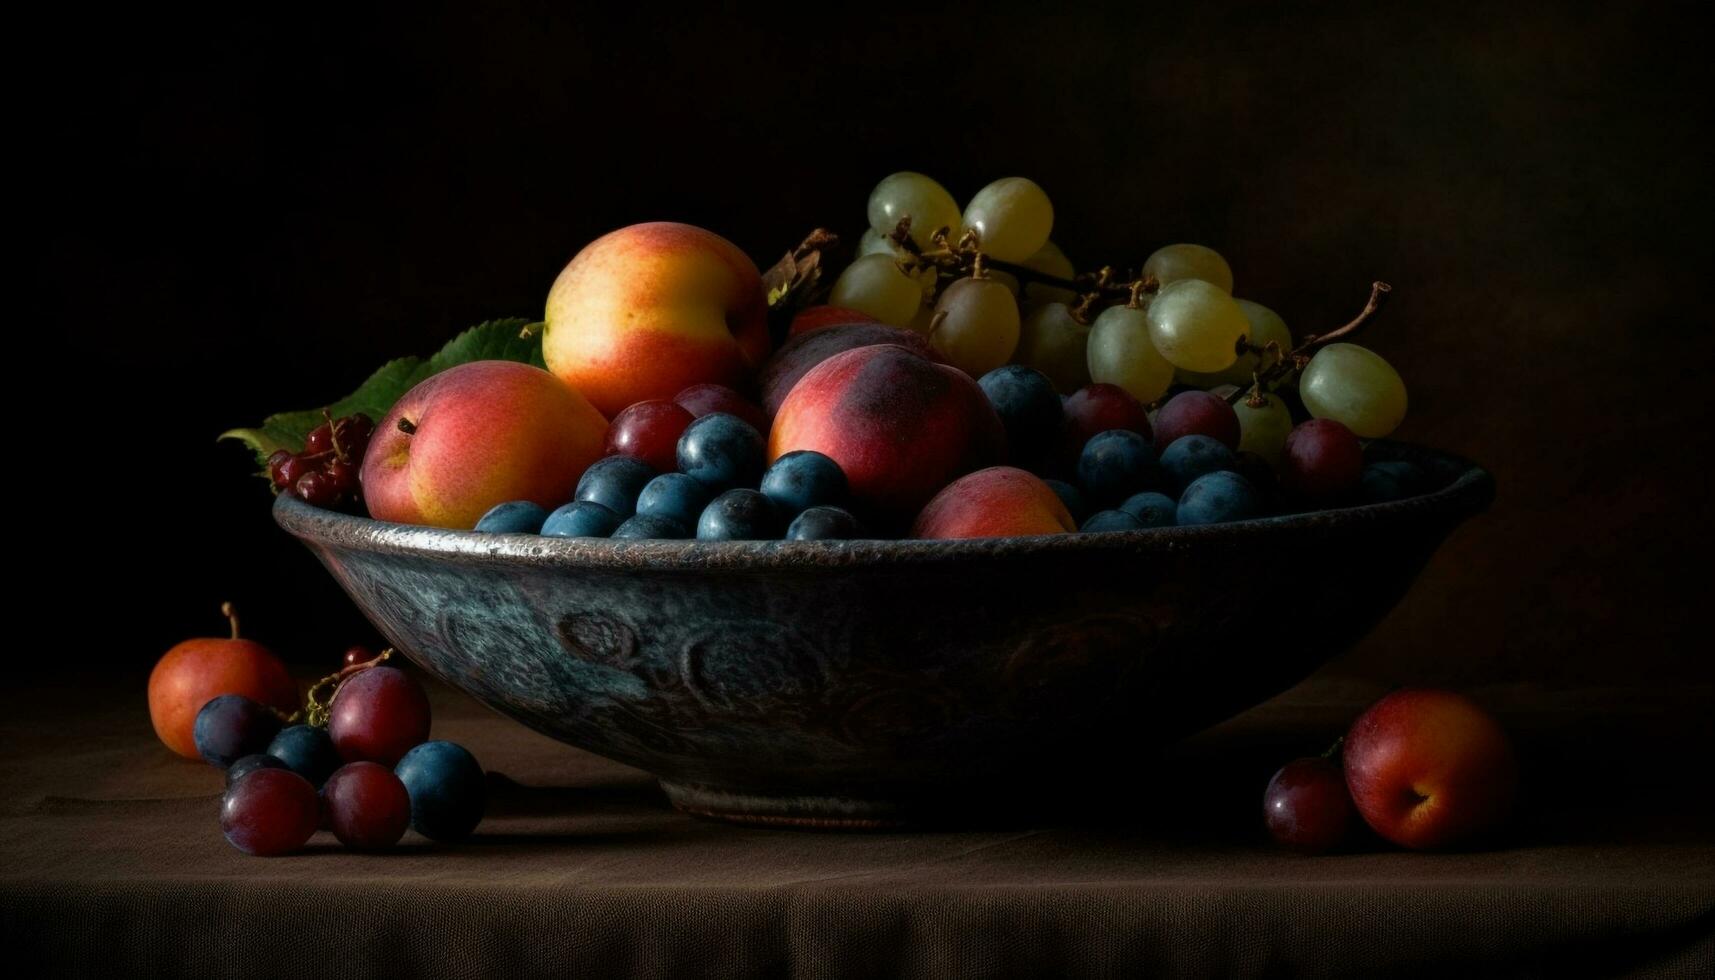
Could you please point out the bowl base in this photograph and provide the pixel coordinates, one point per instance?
(808, 812)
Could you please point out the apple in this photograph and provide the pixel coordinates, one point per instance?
(1428, 769)
(199, 670)
(477, 435)
(648, 310)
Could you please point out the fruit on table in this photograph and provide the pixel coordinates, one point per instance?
(1121, 353)
(796, 357)
(1323, 462)
(614, 482)
(1111, 520)
(803, 479)
(1357, 388)
(823, 524)
(367, 805)
(198, 670)
(647, 310)
(650, 526)
(1192, 456)
(377, 715)
(879, 286)
(1029, 409)
(270, 812)
(976, 325)
(1196, 326)
(722, 451)
(1055, 342)
(912, 195)
(307, 751)
(1196, 413)
(1152, 509)
(1429, 769)
(232, 726)
(706, 399)
(1116, 464)
(740, 514)
(899, 425)
(1215, 498)
(674, 496)
(1097, 408)
(813, 318)
(249, 764)
(1172, 263)
(477, 435)
(1263, 427)
(1306, 806)
(513, 517)
(1012, 218)
(445, 785)
(581, 519)
(1266, 327)
(997, 502)
(649, 431)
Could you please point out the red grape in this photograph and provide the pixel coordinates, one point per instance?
(1323, 461)
(270, 812)
(367, 806)
(1095, 409)
(1306, 806)
(377, 715)
(701, 400)
(1196, 413)
(650, 431)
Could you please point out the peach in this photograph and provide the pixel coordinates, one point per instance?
(651, 309)
(1429, 768)
(999, 502)
(198, 670)
(477, 435)
(900, 425)
(794, 360)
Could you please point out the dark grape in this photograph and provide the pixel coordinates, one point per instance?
(1196, 413)
(722, 451)
(1111, 520)
(739, 515)
(614, 482)
(249, 764)
(367, 805)
(1116, 464)
(1307, 806)
(645, 527)
(650, 431)
(1323, 462)
(270, 812)
(446, 789)
(1029, 410)
(674, 496)
(377, 715)
(581, 519)
(823, 524)
(1189, 457)
(1097, 408)
(1152, 509)
(1215, 498)
(307, 751)
(232, 726)
(802, 479)
(513, 517)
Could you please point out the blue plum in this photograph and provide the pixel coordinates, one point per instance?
(674, 496)
(802, 479)
(1189, 457)
(823, 524)
(1116, 464)
(1215, 498)
(1152, 509)
(649, 526)
(232, 726)
(1029, 408)
(307, 751)
(513, 517)
(1111, 520)
(446, 787)
(722, 451)
(614, 482)
(739, 515)
(580, 519)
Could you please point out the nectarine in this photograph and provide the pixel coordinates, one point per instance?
(198, 670)
(999, 502)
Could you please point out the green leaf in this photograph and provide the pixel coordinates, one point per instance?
(509, 339)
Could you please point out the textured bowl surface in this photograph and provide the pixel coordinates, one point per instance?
(868, 683)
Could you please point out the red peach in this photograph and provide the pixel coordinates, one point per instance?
(1429, 768)
(794, 360)
(645, 311)
(477, 435)
(812, 318)
(900, 425)
(198, 670)
(999, 502)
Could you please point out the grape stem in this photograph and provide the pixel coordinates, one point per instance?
(316, 708)
(1296, 359)
(963, 256)
(230, 611)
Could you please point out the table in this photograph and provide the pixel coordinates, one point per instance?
(111, 859)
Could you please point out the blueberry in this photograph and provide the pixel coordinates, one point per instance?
(614, 482)
(249, 764)
(446, 788)
(802, 479)
(1382, 482)
(722, 451)
(513, 517)
(1151, 509)
(1072, 497)
(823, 524)
(649, 526)
(232, 726)
(739, 515)
(1189, 457)
(1214, 498)
(674, 496)
(307, 751)
(1111, 520)
(1028, 406)
(1116, 464)
(580, 519)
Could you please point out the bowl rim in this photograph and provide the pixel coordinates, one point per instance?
(1468, 493)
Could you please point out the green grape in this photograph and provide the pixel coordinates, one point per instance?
(1266, 325)
(923, 319)
(1049, 260)
(1175, 263)
(1121, 353)
(1353, 386)
(1012, 217)
(905, 193)
(1052, 341)
(875, 243)
(1197, 326)
(875, 284)
(979, 325)
(1263, 429)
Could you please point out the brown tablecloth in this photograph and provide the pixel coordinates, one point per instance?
(111, 858)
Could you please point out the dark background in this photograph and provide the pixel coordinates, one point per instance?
(236, 213)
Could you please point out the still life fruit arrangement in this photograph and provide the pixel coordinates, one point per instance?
(958, 378)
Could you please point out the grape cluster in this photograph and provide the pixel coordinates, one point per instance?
(366, 775)
(326, 472)
(693, 467)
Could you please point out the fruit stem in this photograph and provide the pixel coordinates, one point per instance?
(407, 426)
(333, 437)
(1135, 302)
(1298, 357)
(230, 611)
(1334, 750)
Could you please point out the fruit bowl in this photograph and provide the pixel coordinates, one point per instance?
(874, 683)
